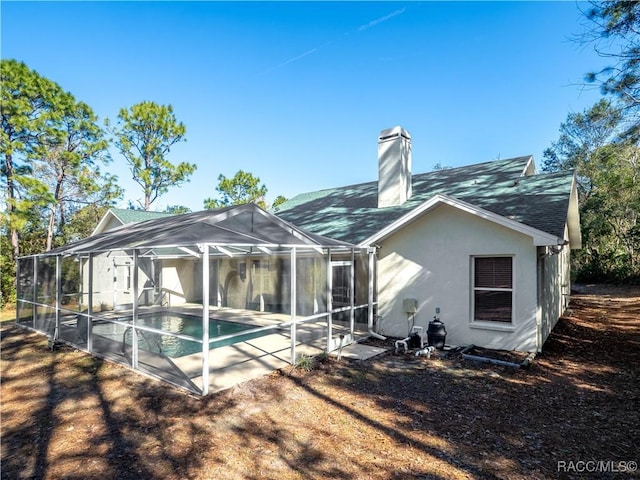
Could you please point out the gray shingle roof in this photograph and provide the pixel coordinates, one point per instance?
(350, 213)
(133, 216)
(244, 225)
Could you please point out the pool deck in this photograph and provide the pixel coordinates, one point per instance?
(245, 360)
(235, 363)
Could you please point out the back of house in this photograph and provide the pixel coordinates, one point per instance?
(485, 247)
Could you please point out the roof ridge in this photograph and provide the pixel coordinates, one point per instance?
(558, 173)
(143, 212)
(433, 172)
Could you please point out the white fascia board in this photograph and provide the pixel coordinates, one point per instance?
(104, 221)
(539, 237)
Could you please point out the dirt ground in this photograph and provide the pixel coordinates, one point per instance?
(68, 415)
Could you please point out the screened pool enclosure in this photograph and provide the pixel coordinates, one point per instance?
(183, 298)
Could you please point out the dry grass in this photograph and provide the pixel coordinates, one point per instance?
(68, 415)
(8, 314)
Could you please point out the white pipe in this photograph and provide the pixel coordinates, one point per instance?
(376, 335)
(402, 342)
(340, 348)
(427, 351)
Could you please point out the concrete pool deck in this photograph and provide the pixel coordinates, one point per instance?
(244, 361)
(238, 362)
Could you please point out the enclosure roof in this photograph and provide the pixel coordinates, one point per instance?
(244, 225)
(503, 187)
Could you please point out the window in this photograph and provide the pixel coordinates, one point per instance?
(493, 289)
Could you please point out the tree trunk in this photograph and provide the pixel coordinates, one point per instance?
(54, 209)
(50, 227)
(11, 197)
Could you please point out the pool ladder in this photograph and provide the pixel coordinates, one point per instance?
(140, 335)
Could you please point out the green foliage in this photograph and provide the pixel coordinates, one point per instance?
(615, 34)
(7, 272)
(608, 172)
(81, 222)
(177, 209)
(242, 188)
(306, 362)
(50, 157)
(581, 137)
(275, 206)
(71, 155)
(438, 166)
(29, 104)
(144, 135)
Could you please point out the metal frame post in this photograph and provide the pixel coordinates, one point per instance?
(18, 276)
(56, 333)
(294, 280)
(205, 319)
(329, 300)
(89, 302)
(134, 320)
(352, 292)
(34, 298)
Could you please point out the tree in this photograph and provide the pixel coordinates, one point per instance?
(438, 166)
(615, 33)
(242, 188)
(581, 137)
(29, 102)
(144, 135)
(608, 171)
(279, 200)
(81, 222)
(50, 151)
(177, 209)
(71, 153)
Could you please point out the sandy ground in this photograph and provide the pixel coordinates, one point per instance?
(68, 415)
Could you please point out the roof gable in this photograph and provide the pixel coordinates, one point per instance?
(122, 216)
(539, 237)
(508, 188)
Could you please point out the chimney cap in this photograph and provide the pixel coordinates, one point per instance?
(393, 132)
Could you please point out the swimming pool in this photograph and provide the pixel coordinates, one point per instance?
(183, 324)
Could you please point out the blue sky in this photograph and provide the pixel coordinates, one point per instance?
(296, 93)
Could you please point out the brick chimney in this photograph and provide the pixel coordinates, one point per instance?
(394, 167)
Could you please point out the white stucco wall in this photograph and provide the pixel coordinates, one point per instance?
(106, 268)
(181, 281)
(430, 260)
(554, 288)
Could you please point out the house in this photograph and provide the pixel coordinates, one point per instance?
(484, 247)
(188, 297)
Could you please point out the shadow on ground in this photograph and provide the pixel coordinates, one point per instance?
(68, 415)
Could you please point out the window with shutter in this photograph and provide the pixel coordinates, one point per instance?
(493, 289)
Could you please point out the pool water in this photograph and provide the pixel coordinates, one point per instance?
(175, 323)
